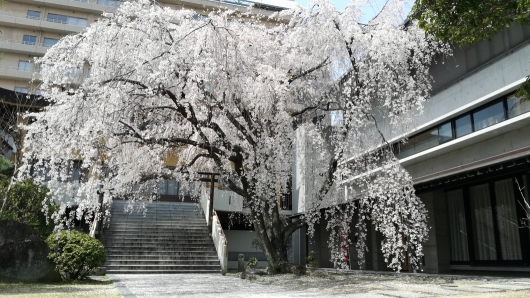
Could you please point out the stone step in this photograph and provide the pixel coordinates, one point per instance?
(157, 232)
(155, 245)
(165, 221)
(207, 255)
(118, 271)
(164, 267)
(158, 243)
(155, 213)
(164, 253)
(169, 238)
(148, 228)
(112, 249)
(140, 262)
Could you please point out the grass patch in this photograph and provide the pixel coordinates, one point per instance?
(91, 287)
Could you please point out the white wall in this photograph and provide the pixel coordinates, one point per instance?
(241, 242)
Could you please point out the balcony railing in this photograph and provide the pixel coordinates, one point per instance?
(27, 43)
(16, 68)
(41, 18)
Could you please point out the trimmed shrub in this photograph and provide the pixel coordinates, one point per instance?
(75, 254)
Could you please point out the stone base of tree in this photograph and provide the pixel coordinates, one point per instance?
(99, 271)
(23, 254)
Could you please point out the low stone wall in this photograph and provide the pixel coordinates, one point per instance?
(23, 254)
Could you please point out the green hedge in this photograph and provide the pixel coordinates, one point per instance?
(75, 254)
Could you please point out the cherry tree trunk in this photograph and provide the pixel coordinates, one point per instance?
(274, 236)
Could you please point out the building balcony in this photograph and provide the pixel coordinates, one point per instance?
(16, 73)
(24, 21)
(17, 46)
(265, 7)
(90, 6)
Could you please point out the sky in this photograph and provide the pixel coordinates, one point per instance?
(370, 11)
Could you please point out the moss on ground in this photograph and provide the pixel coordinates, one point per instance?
(92, 287)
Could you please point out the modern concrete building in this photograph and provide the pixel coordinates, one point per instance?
(469, 154)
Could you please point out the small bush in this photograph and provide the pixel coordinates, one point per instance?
(75, 254)
(252, 262)
(312, 259)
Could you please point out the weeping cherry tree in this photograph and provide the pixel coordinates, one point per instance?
(226, 93)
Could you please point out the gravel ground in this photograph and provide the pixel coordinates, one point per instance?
(321, 285)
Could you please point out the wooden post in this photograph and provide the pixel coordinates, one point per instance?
(210, 218)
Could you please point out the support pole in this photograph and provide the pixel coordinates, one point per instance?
(210, 218)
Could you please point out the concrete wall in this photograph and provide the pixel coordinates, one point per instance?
(241, 242)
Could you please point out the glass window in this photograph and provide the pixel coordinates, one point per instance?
(109, 2)
(38, 92)
(77, 21)
(482, 220)
(419, 143)
(49, 42)
(517, 106)
(445, 132)
(463, 126)
(29, 40)
(507, 221)
(488, 116)
(57, 18)
(405, 150)
(168, 187)
(425, 140)
(21, 89)
(34, 15)
(457, 226)
(25, 65)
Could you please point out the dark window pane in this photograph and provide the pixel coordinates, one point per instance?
(445, 133)
(457, 225)
(49, 42)
(488, 116)
(419, 143)
(34, 15)
(57, 18)
(463, 126)
(516, 106)
(425, 140)
(482, 223)
(29, 40)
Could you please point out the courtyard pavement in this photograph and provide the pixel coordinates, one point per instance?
(323, 286)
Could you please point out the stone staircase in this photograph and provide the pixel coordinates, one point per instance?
(171, 238)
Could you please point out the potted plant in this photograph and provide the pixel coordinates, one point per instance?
(312, 259)
(252, 263)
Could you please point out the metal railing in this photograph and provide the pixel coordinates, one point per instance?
(41, 18)
(27, 43)
(16, 68)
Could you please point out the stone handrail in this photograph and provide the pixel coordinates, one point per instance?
(219, 239)
(218, 235)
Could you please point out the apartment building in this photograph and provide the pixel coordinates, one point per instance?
(469, 157)
(29, 27)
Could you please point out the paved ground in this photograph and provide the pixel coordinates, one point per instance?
(322, 286)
